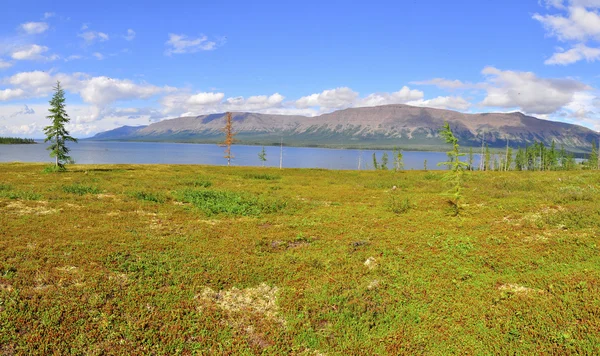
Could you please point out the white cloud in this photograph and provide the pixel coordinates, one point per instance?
(4, 64)
(562, 4)
(32, 52)
(130, 35)
(575, 54)
(48, 15)
(329, 99)
(10, 94)
(179, 44)
(92, 36)
(73, 57)
(581, 24)
(99, 56)
(526, 91)
(100, 92)
(402, 96)
(34, 28)
(203, 99)
(444, 83)
(443, 102)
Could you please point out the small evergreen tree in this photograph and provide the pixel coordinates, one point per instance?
(375, 164)
(457, 168)
(262, 156)
(384, 161)
(471, 156)
(56, 132)
(592, 162)
(398, 159)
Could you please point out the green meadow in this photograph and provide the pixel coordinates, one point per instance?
(182, 259)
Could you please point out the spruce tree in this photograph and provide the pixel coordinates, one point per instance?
(457, 167)
(262, 156)
(592, 162)
(56, 132)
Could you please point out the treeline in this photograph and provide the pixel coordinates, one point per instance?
(535, 157)
(16, 140)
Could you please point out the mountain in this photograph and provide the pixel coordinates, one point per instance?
(405, 126)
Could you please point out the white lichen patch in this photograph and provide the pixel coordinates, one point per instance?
(374, 284)
(518, 289)
(370, 263)
(19, 208)
(73, 206)
(538, 237)
(67, 269)
(261, 300)
(212, 222)
(105, 196)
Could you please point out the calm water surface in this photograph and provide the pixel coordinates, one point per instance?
(100, 152)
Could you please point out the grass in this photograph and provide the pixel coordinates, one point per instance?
(328, 262)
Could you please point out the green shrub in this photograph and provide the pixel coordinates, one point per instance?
(200, 183)
(23, 195)
(261, 176)
(398, 205)
(80, 189)
(156, 198)
(213, 202)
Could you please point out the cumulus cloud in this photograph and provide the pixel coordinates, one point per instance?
(526, 91)
(130, 35)
(580, 24)
(575, 54)
(4, 64)
(207, 102)
(329, 99)
(92, 36)
(444, 102)
(402, 96)
(99, 92)
(34, 28)
(179, 44)
(32, 52)
(11, 94)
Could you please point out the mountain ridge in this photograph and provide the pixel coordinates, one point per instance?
(405, 126)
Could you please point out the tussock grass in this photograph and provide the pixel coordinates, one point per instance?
(316, 262)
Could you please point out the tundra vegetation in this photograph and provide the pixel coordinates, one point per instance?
(178, 259)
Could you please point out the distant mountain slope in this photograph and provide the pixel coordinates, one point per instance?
(119, 133)
(404, 126)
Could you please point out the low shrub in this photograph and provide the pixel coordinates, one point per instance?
(80, 189)
(213, 202)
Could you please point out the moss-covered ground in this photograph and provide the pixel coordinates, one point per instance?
(169, 259)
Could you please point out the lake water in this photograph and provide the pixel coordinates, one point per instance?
(100, 152)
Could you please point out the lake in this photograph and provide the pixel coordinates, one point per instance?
(102, 152)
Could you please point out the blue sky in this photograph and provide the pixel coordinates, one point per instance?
(136, 62)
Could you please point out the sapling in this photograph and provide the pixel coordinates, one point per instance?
(455, 175)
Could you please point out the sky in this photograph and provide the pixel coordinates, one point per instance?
(136, 62)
